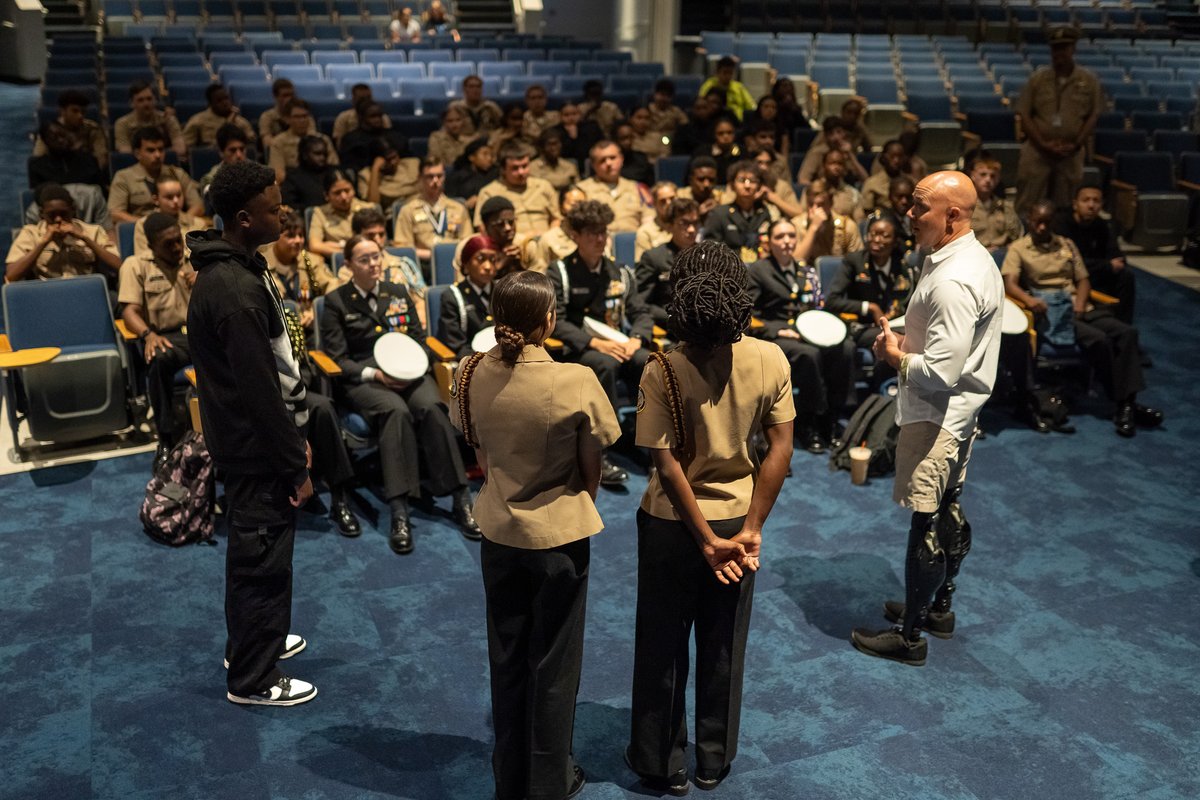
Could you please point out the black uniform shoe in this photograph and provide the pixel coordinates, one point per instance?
(890, 644)
(401, 539)
(465, 517)
(937, 623)
(160, 457)
(1062, 427)
(1028, 413)
(344, 519)
(611, 474)
(577, 784)
(709, 782)
(1124, 421)
(676, 785)
(1146, 416)
(810, 440)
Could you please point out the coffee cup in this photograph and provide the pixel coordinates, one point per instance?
(860, 459)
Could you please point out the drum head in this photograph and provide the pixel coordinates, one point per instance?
(401, 357)
(821, 328)
(484, 340)
(601, 331)
(1013, 319)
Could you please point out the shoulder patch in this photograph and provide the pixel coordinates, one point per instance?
(641, 399)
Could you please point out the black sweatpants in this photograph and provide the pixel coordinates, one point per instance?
(676, 590)
(160, 383)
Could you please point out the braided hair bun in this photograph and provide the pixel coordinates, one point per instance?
(511, 342)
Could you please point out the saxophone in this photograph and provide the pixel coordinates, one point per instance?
(306, 292)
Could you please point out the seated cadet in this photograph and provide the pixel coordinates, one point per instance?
(835, 136)
(872, 284)
(330, 227)
(300, 276)
(702, 186)
(1097, 242)
(653, 144)
(846, 199)
(154, 290)
(994, 220)
(62, 164)
(550, 165)
(231, 144)
(781, 289)
(131, 194)
(578, 135)
(629, 201)
(653, 273)
(285, 149)
(1046, 272)
(512, 128)
(201, 129)
(59, 245)
(431, 218)
(900, 198)
(736, 97)
(467, 306)
(589, 284)
(851, 114)
(823, 232)
(777, 190)
(372, 225)
(910, 141)
(85, 135)
(147, 114)
(350, 119)
(742, 225)
(894, 161)
(637, 166)
(168, 199)
(475, 169)
(449, 142)
(273, 121)
(594, 108)
(557, 243)
(665, 116)
(534, 200)
(418, 446)
(482, 116)
(303, 185)
(500, 225)
(357, 149)
(657, 231)
(697, 131)
(537, 119)
(390, 179)
(723, 149)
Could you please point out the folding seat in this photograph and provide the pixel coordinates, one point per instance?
(1175, 142)
(241, 74)
(551, 68)
(477, 54)
(500, 69)
(524, 54)
(518, 84)
(638, 84)
(1146, 203)
(381, 88)
(454, 72)
(1156, 121)
(430, 56)
(346, 74)
(1107, 142)
(422, 88)
(401, 71)
(573, 84)
(422, 125)
(325, 58)
(275, 58)
(360, 31)
(877, 90)
(240, 58)
(652, 68)
(380, 57)
(331, 33)
(929, 107)
(298, 72)
(966, 102)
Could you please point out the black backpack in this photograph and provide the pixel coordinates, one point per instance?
(872, 425)
(180, 498)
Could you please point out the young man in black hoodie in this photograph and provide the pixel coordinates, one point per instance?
(252, 409)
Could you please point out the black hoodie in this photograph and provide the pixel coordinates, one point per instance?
(251, 400)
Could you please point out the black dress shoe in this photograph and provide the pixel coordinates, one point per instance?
(1147, 417)
(611, 474)
(708, 781)
(344, 519)
(401, 539)
(465, 517)
(1124, 421)
(676, 785)
(1062, 427)
(1028, 413)
(161, 453)
(577, 784)
(810, 440)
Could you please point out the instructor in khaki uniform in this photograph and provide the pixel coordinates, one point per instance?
(1058, 110)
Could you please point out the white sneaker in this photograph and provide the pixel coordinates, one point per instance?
(286, 692)
(293, 644)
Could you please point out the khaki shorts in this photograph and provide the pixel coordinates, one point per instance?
(928, 461)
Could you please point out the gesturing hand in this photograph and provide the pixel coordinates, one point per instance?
(725, 556)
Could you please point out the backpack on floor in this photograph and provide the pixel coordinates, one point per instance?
(178, 508)
(872, 425)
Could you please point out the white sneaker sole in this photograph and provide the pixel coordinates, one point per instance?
(286, 654)
(258, 701)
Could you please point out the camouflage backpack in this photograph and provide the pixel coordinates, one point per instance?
(178, 508)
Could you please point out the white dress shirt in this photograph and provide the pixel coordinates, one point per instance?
(951, 338)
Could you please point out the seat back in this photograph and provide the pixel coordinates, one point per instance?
(443, 263)
(1149, 172)
(623, 248)
(434, 299)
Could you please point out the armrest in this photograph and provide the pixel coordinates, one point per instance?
(1123, 186)
(5, 346)
(440, 350)
(553, 345)
(909, 117)
(659, 333)
(960, 116)
(324, 363)
(1194, 187)
(1098, 296)
(1103, 159)
(972, 140)
(190, 374)
(756, 324)
(846, 316)
(123, 329)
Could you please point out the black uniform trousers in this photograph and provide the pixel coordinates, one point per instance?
(160, 383)
(331, 462)
(1120, 283)
(881, 371)
(821, 374)
(415, 437)
(258, 579)
(1111, 347)
(608, 371)
(676, 589)
(536, 601)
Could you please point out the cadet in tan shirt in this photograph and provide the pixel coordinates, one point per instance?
(299, 275)
(480, 117)
(168, 199)
(347, 120)
(201, 129)
(534, 200)
(821, 231)
(431, 218)
(131, 194)
(285, 149)
(630, 204)
(59, 245)
(330, 225)
(701, 519)
(556, 243)
(654, 144)
(537, 119)
(86, 136)
(273, 121)
(665, 116)
(994, 220)
(448, 142)
(390, 178)
(550, 165)
(538, 428)
(658, 230)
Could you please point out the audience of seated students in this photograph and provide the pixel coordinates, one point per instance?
(835, 135)
(636, 166)
(537, 118)
(653, 274)
(201, 129)
(900, 198)
(757, 135)
(534, 199)
(351, 119)
(516, 251)
(550, 165)
(389, 179)
(130, 195)
(781, 289)
(766, 117)
(448, 142)
(273, 121)
(285, 149)
(59, 244)
(62, 163)
(1046, 273)
(355, 149)
(168, 200)
(697, 132)
(512, 127)
(403, 29)
(1096, 239)
(557, 243)
(821, 231)
(301, 276)
(85, 135)
(577, 135)
(475, 169)
(872, 284)
(776, 190)
(665, 116)
(994, 222)
(482, 116)
(629, 201)
(851, 115)
(594, 108)
(910, 140)
(723, 149)
(742, 225)
(155, 288)
(590, 285)
(738, 99)
(437, 19)
(847, 200)
(431, 218)
(303, 185)
(702, 186)
(330, 228)
(651, 143)
(145, 113)
(466, 308)
(790, 114)
(894, 162)
(658, 230)
(418, 446)
(371, 224)
(232, 145)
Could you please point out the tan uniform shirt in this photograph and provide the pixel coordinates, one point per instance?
(292, 279)
(531, 420)
(331, 226)
(400, 185)
(995, 223)
(271, 123)
(846, 200)
(666, 120)
(125, 127)
(162, 292)
(536, 124)
(448, 148)
(813, 163)
(418, 223)
(347, 121)
(1056, 266)
(649, 236)
(605, 115)
(1060, 106)
(875, 192)
(201, 129)
(556, 245)
(132, 190)
(837, 239)
(72, 257)
(489, 114)
(726, 400)
(560, 176)
(536, 206)
(652, 145)
(141, 247)
(782, 188)
(89, 138)
(285, 152)
(625, 199)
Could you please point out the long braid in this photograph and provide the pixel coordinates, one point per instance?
(464, 397)
(674, 399)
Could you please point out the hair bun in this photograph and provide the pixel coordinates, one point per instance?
(511, 341)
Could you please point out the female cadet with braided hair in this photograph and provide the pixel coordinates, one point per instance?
(538, 428)
(701, 519)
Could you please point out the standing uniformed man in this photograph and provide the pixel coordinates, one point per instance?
(630, 202)
(653, 271)
(742, 225)
(467, 306)
(1058, 110)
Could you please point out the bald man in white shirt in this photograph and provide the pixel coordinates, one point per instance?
(946, 361)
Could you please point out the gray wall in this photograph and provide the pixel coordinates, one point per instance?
(589, 19)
